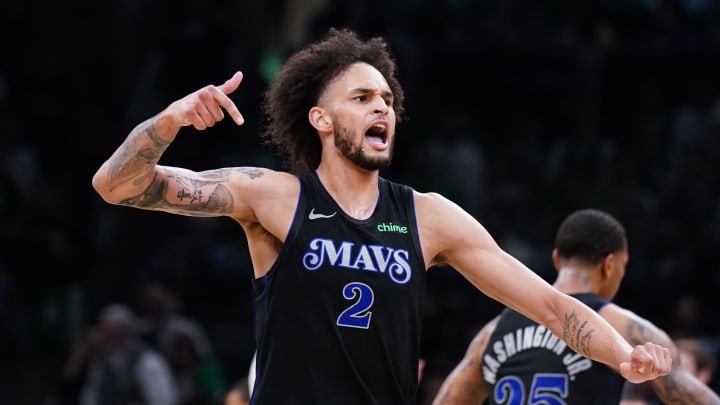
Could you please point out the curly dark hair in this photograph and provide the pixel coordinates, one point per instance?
(301, 81)
(590, 235)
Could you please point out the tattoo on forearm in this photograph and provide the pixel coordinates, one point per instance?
(150, 132)
(576, 335)
(134, 156)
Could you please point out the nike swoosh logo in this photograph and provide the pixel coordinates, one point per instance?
(314, 215)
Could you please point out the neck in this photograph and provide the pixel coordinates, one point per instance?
(354, 189)
(576, 280)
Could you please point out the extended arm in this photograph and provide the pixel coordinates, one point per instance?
(678, 387)
(454, 237)
(465, 384)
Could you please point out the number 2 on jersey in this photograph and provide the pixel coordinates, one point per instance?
(358, 314)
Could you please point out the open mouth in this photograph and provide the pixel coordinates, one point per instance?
(377, 133)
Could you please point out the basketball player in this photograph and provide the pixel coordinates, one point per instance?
(340, 253)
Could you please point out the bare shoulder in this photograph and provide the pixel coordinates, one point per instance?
(428, 200)
(263, 193)
(262, 180)
(444, 226)
(634, 328)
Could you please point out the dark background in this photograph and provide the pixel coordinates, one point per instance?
(519, 111)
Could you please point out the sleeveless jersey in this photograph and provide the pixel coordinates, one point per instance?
(524, 363)
(338, 316)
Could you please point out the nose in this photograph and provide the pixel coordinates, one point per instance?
(380, 105)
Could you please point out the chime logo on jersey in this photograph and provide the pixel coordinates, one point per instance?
(390, 227)
(377, 258)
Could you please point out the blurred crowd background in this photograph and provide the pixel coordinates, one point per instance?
(520, 111)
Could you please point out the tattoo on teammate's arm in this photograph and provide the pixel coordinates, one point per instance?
(640, 332)
(576, 335)
(678, 387)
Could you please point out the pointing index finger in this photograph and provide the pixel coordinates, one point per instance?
(228, 87)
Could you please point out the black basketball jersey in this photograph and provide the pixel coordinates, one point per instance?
(524, 363)
(338, 316)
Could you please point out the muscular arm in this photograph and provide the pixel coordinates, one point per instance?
(465, 384)
(261, 200)
(449, 235)
(131, 176)
(678, 387)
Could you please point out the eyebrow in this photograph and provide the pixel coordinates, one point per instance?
(364, 90)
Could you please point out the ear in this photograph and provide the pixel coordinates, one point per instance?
(556, 259)
(607, 266)
(319, 119)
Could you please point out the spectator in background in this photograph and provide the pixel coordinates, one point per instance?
(184, 344)
(126, 371)
(200, 379)
(86, 347)
(161, 321)
(696, 358)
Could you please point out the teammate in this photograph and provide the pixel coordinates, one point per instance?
(514, 360)
(340, 253)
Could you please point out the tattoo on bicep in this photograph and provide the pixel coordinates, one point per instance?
(152, 196)
(576, 335)
(191, 196)
(193, 199)
(190, 190)
(251, 172)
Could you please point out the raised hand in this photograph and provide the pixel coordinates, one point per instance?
(204, 107)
